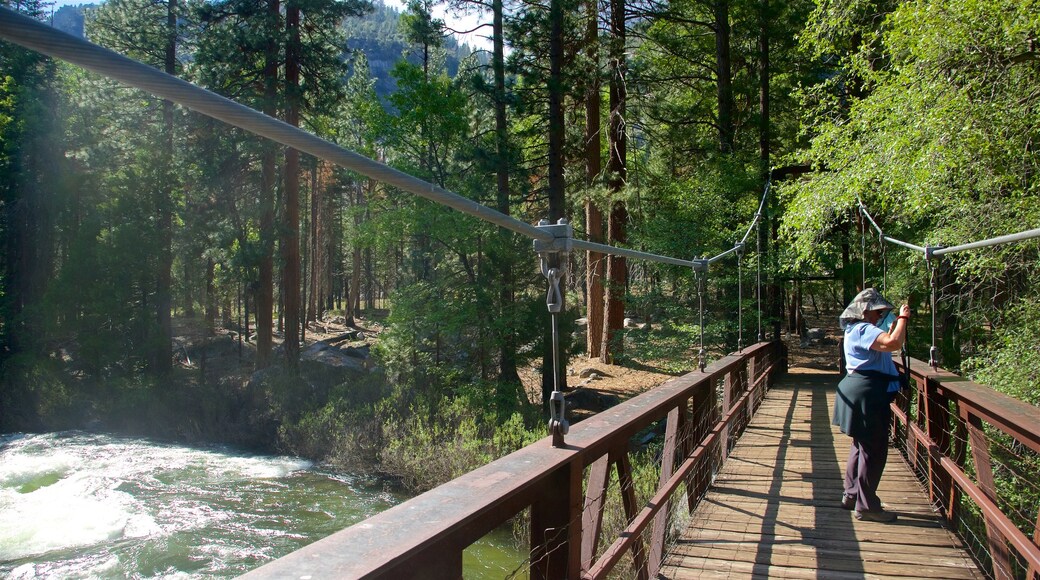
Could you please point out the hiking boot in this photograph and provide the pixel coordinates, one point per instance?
(848, 502)
(878, 516)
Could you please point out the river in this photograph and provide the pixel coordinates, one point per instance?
(79, 505)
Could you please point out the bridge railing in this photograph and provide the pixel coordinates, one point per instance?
(564, 488)
(963, 439)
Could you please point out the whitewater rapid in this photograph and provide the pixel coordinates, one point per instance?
(77, 505)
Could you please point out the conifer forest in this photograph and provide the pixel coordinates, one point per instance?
(165, 274)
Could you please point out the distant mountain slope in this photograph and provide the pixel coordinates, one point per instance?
(70, 19)
(377, 34)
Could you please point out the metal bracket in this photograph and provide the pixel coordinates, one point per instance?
(700, 265)
(554, 296)
(929, 256)
(739, 247)
(554, 268)
(562, 242)
(563, 238)
(557, 413)
(929, 252)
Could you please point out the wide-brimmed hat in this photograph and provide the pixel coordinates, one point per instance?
(869, 299)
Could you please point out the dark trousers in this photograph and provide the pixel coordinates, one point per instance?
(866, 463)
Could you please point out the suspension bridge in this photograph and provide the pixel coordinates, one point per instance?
(749, 475)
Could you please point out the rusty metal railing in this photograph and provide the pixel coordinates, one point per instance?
(564, 488)
(949, 428)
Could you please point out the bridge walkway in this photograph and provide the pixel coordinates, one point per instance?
(774, 511)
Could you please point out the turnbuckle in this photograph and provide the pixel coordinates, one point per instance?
(553, 265)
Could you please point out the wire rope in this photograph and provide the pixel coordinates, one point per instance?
(701, 354)
(933, 350)
(863, 250)
(740, 301)
(35, 35)
(758, 291)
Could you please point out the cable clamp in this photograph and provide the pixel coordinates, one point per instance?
(700, 265)
(554, 297)
(739, 247)
(562, 241)
(929, 252)
(550, 258)
(557, 411)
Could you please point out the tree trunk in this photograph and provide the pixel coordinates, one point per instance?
(764, 151)
(725, 77)
(312, 297)
(291, 226)
(595, 261)
(507, 372)
(556, 177)
(764, 128)
(211, 298)
(163, 356)
(354, 300)
(617, 174)
(265, 293)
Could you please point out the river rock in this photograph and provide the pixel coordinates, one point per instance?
(815, 334)
(347, 358)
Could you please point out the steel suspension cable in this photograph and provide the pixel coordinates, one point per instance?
(889, 239)
(933, 350)
(884, 266)
(701, 354)
(941, 251)
(35, 35)
(740, 303)
(1010, 238)
(863, 250)
(761, 205)
(758, 291)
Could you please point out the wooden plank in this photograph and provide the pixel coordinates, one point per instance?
(694, 567)
(890, 563)
(821, 540)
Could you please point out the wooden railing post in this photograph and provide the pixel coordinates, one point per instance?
(728, 391)
(1034, 571)
(556, 520)
(959, 455)
(754, 367)
(660, 527)
(744, 385)
(937, 415)
(919, 420)
(592, 515)
(704, 401)
(998, 549)
(630, 502)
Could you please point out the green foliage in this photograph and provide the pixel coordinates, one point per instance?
(1010, 362)
(939, 145)
(34, 394)
(670, 348)
(430, 445)
(935, 138)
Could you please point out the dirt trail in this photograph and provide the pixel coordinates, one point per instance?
(614, 384)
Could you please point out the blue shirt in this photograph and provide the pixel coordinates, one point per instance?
(860, 357)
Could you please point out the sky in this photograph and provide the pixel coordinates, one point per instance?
(453, 21)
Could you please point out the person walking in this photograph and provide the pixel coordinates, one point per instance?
(861, 407)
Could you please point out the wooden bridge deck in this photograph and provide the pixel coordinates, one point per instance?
(774, 509)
